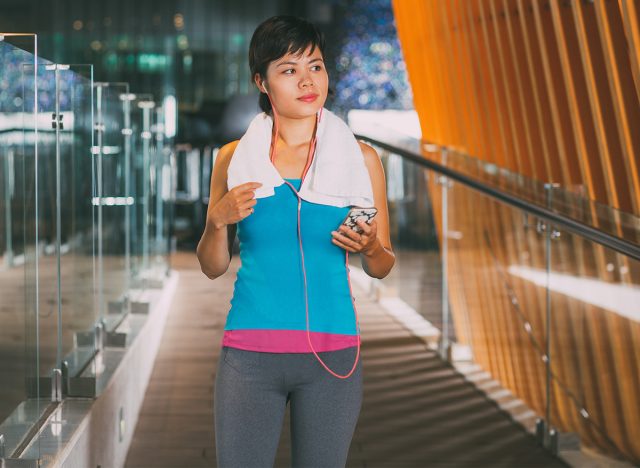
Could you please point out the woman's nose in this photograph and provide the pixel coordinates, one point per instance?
(305, 80)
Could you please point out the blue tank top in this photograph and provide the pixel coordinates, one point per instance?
(269, 288)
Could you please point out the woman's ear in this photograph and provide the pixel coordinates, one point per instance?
(260, 83)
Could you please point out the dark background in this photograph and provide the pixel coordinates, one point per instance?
(195, 50)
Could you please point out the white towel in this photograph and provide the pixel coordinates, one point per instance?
(337, 176)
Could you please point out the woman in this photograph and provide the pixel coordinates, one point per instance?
(294, 254)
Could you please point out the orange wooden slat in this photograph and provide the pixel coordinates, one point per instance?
(497, 36)
(626, 106)
(490, 87)
(557, 169)
(585, 27)
(630, 12)
(543, 134)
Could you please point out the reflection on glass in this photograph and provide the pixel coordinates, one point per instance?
(551, 317)
(594, 330)
(20, 392)
(113, 200)
(85, 208)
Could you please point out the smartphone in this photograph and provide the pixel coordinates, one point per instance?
(358, 213)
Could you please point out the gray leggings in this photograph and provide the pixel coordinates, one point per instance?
(252, 390)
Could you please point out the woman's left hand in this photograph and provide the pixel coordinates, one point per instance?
(355, 242)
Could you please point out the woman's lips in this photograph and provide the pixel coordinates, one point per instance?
(309, 98)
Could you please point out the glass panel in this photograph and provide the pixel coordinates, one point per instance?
(595, 346)
(550, 316)
(452, 242)
(20, 391)
(416, 275)
(75, 179)
(114, 200)
(500, 315)
(191, 171)
(141, 120)
(47, 214)
(160, 186)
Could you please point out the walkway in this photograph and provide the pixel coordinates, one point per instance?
(417, 411)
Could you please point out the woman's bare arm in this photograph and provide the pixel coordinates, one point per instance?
(378, 262)
(215, 247)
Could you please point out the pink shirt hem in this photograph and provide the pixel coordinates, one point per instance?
(286, 341)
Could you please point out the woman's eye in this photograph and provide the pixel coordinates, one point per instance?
(318, 67)
(288, 70)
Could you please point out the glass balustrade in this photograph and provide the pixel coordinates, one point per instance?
(540, 316)
(113, 204)
(142, 148)
(594, 334)
(86, 192)
(22, 400)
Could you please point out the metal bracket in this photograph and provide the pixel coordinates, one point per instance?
(56, 66)
(64, 367)
(56, 385)
(541, 227)
(444, 181)
(146, 104)
(553, 441)
(100, 338)
(540, 428)
(56, 121)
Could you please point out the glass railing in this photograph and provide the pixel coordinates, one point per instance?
(143, 154)
(86, 194)
(113, 202)
(161, 189)
(529, 282)
(20, 404)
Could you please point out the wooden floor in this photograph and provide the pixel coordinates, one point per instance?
(417, 411)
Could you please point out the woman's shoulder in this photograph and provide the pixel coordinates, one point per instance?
(369, 153)
(225, 153)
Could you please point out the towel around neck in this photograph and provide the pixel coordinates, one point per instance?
(337, 176)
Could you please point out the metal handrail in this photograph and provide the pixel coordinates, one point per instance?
(618, 244)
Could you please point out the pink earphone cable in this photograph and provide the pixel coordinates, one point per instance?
(310, 155)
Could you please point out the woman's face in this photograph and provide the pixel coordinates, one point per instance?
(297, 85)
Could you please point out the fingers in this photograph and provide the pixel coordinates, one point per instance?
(367, 229)
(344, 246)
(244, 189)
(353, 241)
(248, 205)
(344, 242)
(347, 238)
(245, 192)
(249, 186)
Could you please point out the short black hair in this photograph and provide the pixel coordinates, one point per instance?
(274, 38)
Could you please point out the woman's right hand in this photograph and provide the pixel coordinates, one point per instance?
(234, 206)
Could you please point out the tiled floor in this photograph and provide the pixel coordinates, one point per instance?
(417, 411)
